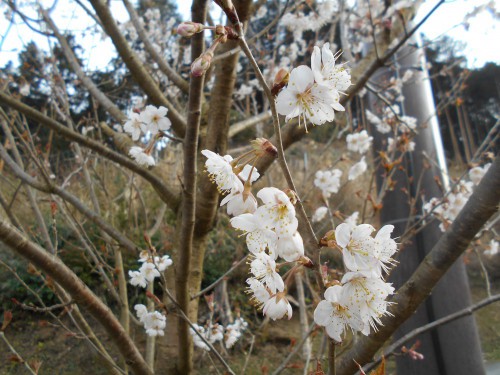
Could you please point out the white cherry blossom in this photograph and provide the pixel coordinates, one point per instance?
(221, 171)
(328, 181)
(319, 214)
(367, 297)
(245, 173)
(141, 157)
(334, 314)
(260, 294)
(290, 248)
(154, 323)
(357, 169)
(141, 311)
(476, 174)
(259, 237)
(326, 72)
(492, 250)
(137, 279)
(133, 126)
(163, 263)
(277, 212)
(277, 307)
(154, 119)
(358, 246)
(385, 247)
(359, 142)
(149, 271)
(239, 201)
(263, 267)
(306, 99)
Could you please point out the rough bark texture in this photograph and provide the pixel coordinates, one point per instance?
(479, 209)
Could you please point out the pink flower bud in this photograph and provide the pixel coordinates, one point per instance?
(188, 29)
(201, 64)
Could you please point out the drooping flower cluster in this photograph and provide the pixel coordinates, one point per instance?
(392, 121)
(313, 94)
(149, 270)
(359, 301)
(154, 322)
(448, 208)
(214, 332)
(328, 181)
(152, 120)
(359, 142)
(270, 229)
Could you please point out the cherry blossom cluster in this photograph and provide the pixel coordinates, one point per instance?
(403, 127)
(313, 94)
(215, 332)
(329, 181)
(270, 229)
(359, 301)
(447, 209)
(154, 322)
(152, 121)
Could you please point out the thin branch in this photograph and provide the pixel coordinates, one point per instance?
(216, 282)
(46, 309)
(296, 349)
(13, 351)
(162, 63)
(168, 196)
(480, 207)
(135, 66)
(73, 200)
(79, 292)
(101, 98)
(390, 350)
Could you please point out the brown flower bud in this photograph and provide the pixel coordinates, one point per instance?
(263, 146)
(306, 262)
(280, 81)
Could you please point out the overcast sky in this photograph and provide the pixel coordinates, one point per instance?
(481, 38)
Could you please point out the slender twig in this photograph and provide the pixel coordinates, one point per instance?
(313, 241)
(13, 350)
(216, 282)
(191, 325)
(297, 348)
(248, 355)
(391, 350)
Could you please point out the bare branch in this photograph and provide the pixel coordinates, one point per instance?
(140, 74)
(103, 100)
(162, 63)
(81, 294)
(482, 204)
(168, 196)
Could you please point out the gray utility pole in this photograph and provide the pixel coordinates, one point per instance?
(452, 349)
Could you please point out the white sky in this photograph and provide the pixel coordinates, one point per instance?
(481, 39)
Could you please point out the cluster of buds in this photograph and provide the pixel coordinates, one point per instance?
(222, 33)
